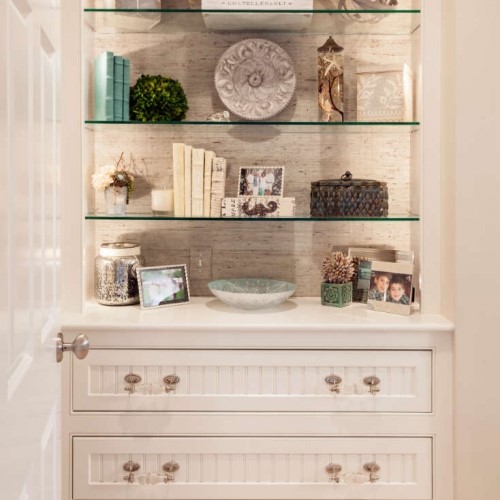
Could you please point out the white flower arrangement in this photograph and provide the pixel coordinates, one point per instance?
(113, 176)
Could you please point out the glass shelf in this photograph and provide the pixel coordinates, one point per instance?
(299, 218)
(316, 22)
(298, 127)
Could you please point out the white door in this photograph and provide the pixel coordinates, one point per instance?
(30, 249)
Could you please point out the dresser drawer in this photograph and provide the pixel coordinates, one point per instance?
(253, 380)
(251, 468)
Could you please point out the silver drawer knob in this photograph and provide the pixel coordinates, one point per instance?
(132, 380)
(369, 474)
(170, 468)
(171, 382)
(333, 470)
(130, 467)
(372, 468)
(373, 384)
(334, 382)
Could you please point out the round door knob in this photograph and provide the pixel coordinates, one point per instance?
(80, 346)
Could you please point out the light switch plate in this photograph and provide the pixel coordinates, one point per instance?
(200, 263)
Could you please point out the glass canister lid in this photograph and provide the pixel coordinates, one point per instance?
(121, 249)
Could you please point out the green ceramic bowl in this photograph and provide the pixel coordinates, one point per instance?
(252, 293)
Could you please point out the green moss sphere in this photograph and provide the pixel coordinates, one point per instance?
(157, 98)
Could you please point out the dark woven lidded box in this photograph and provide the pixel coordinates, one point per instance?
(349, 197)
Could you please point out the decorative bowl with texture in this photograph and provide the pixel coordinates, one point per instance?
(252, 293)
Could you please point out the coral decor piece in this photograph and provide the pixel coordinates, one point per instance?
(338, 273)
(337, 268)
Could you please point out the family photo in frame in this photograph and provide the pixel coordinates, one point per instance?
(365, 257)
(163, 286)
(261, 181)
(391, 287)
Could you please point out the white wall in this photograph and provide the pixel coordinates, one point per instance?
(473, 113)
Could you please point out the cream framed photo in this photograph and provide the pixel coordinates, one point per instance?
(163, 286)
(391, 287)
(261, 181)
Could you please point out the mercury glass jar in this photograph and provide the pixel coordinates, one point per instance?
(116, 274)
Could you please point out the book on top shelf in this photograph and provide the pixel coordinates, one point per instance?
(104, 87)
(118, 89)
(126, 90)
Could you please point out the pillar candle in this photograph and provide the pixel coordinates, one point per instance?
(162, 200)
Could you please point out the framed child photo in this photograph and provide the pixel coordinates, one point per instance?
(391, 287)
(163, 286)
(365, 256)
(261, 181)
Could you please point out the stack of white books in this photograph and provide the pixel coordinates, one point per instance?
(199, 181)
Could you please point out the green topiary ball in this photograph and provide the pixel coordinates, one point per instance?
(157, 98)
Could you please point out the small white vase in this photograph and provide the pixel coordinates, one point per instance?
(116, 200)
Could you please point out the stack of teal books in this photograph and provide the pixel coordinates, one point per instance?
(111, 88)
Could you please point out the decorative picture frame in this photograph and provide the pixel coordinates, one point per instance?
(163, 286)
(384, 93)
(366, 256)
(391, 287)
(261, 181)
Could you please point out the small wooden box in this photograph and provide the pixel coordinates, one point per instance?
(348, 197)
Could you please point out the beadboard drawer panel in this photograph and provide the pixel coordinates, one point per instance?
(252, 468)
(251, 380)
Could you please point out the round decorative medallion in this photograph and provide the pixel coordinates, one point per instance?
(255, 79)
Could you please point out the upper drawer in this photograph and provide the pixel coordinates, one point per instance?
(231, 468)
(251, 380)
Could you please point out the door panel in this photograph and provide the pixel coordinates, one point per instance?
(29, 315)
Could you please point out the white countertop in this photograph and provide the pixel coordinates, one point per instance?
(209, 314)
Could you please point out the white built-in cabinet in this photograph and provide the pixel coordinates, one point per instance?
(259, 410)
(304, 402)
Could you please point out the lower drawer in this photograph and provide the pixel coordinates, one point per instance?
(143, 468)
